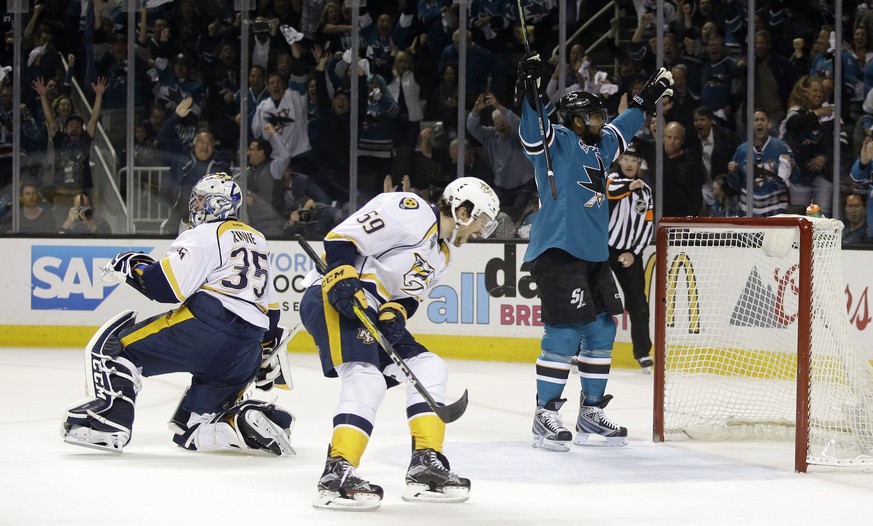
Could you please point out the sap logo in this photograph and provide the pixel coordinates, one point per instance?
(69, 277)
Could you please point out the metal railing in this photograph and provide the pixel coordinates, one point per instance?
(147, 210)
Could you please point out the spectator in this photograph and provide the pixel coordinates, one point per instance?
(683, 175)
(223, 82)
(803, 133)
(774, 79)
(333, 33)
(855, 231)
(286, 110)
(266, 45)
(513, 176)
(376, 137)
(445, 105)
(774, 166)
(862, 173)
(312, 220)
(188, 164)
(683, 101)
(257, 93)
(268, 157)
(405, 88)
(82, 218)
(178, 81)
(715, 145)
(491, 22)
(72, 147)
(36, 215)
(434, 145)
(483, 69)
(716, 78)
(631, 223)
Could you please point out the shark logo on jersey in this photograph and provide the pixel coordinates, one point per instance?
(594, 184)
(279, 120)
(409, 203)
(365, 336)
(417, 278)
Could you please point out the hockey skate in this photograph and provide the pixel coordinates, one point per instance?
(548, 428)
(429, 479)
(646, 363)
(341, 489)
(79, 435)
(593, 428)
(258, 430)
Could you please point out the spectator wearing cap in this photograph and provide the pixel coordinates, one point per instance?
(631, 223)
(114, 68)
(72, 145)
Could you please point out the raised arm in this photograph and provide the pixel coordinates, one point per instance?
(99, 88)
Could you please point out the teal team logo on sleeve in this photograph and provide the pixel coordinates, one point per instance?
(69, 277)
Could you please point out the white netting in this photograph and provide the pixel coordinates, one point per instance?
(731, 328)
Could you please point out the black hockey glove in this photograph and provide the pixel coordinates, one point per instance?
(530, 70)
(126, 268)
(660, 84)
(274, 370)
(392, 321)
(342, 286)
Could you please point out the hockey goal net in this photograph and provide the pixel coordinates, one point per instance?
(753, 339)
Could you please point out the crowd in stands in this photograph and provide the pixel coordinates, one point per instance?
(187, 103)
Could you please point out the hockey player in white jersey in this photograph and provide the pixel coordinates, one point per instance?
(388, 256)
(219, 269)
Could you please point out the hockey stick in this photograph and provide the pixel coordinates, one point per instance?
(542, 119)
(447, 413)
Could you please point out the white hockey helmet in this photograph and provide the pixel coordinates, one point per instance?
(477, 192)
(214, 197)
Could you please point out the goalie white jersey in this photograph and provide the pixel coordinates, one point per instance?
(400, 254)
(228, 260)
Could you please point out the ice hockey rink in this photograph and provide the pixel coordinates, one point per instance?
(45, 481)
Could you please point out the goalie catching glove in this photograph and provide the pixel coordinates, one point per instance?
(392, 321)
(127, 267)
(274, 370)
(658, 85)
(343, 290)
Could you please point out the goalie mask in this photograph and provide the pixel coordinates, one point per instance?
(485, 203)
(580, 104)
(214, 197)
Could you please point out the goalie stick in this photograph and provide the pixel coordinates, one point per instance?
(542, 119)
(447, 413)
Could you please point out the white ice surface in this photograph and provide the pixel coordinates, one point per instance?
(44, 481)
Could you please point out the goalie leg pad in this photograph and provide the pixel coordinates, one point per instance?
(251, 425)
(105, 421)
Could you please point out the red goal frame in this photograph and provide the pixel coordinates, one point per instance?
(805, 228)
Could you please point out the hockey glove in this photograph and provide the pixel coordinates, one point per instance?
(127, 267)
(530, 70)
(392, 321)
(274, 370)
(343, 289)
(657, 86)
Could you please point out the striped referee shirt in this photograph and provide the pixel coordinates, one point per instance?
(631, 214)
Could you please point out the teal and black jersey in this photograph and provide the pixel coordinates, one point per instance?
(578, 220)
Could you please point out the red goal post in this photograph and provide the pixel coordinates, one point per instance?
(752, 338)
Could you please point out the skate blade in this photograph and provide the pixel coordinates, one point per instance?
(647, 370)
(591, 439)
(422, 493)
(550, 445)
(102, 447)
(332, 500)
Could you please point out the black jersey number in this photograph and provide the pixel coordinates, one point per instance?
(256, 272)
(371, 222)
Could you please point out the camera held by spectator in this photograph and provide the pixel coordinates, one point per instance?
(85, 213)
